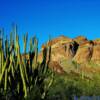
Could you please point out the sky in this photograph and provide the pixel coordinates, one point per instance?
(45, 18)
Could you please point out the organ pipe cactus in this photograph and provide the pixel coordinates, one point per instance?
(20, 74)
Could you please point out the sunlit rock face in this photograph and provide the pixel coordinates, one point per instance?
(80, 49)
(84, 52)
(62, 48)
(80, 39)
(96, 54)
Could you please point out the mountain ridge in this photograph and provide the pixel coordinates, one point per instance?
(79, 50)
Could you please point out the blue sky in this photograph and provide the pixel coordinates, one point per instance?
(52, 17)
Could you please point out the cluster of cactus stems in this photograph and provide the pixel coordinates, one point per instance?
(20, 74)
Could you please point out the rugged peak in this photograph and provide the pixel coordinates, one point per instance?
(59, 40)
(80, 39)
(79, 49)
(63, 37)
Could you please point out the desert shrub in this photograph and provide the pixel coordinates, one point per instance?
(66, 87)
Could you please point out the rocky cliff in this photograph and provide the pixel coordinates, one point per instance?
(79, 50)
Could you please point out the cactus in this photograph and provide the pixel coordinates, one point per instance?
(20, 75)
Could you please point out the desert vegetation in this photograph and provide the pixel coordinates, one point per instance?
(24, 77)
(21, 76)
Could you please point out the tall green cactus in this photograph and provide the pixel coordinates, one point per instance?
(21, 74)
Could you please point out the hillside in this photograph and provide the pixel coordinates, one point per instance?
(64, 68)
(74, 55)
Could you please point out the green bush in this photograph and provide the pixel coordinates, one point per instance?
(65, 87)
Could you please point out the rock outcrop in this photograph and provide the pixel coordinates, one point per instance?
(79, 49)
(80, 39)
(96, 53)
(62, 48)
(84, 52)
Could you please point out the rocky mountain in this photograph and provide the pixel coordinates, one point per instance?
(68, 53)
